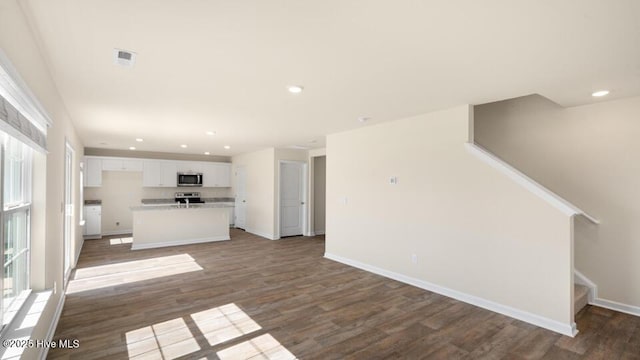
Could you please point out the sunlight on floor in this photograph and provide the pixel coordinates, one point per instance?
(177, 337)
(96, 277)
(118, 241)
(167, 340)
(224, 323)
(261, 347)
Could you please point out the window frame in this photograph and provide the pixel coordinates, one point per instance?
(10, 309)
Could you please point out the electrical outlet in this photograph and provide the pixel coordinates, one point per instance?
(414, 258)
(393, 180)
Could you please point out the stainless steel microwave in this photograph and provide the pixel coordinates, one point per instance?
(189, 179)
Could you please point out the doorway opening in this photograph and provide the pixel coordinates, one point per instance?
(319, 194)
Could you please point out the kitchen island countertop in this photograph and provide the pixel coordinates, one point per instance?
(175, 206)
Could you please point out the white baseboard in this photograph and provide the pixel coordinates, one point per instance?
(319, 232)
(616, 306)
(135, 246)
(581, 279)
(117, 232)
(52, 327)
(553, 325)
(78, 253)
(262, 234)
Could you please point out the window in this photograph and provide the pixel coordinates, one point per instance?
(15, 214)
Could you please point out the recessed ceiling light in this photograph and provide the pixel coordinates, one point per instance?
(295, 89)
(132, 147)
(227, 147)
(600, 93)
(363, 119)
(210, 133)
(184, 146)
(207, 153)
(139, 139)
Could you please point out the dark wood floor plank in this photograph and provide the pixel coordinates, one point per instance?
(282, 297)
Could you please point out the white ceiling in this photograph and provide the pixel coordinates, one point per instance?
(224, 65)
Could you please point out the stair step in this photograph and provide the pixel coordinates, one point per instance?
(581, 296)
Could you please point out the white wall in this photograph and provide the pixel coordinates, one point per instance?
(20, 46)
(263, 178)
(588, 155)
(319, 194)
(260, 170)
(122, 189)
(472, 229)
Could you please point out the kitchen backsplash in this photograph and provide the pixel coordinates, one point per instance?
(165, 193)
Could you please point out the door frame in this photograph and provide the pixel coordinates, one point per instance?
(305, 196)
(68, 224)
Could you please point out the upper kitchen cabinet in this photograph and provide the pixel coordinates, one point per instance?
(158, 173)
(93, 172)
(224, 175)
(190, 167)
(216, 175)
(122, 165)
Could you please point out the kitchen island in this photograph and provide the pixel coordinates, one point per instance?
(171, 225)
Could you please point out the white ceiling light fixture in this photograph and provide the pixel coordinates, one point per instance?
(124, 57)
(210, 133)
(184, 146)
(139, 139)
(207, 153)
(132, 147)
(295, 89)
(227, 147)
(600, 93)
(364, 119)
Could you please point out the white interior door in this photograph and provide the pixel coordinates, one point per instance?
(291, 198)
(241, 198)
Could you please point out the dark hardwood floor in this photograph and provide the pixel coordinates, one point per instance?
(256, 298)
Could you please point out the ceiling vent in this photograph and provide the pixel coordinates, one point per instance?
(124, 57)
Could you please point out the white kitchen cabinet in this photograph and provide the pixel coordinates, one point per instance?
(158, 173)
(93, 221)
(190, 166)
(151, 173)
(232, 213)
(216, 175)
(93, 172)
(168, 174)
(122, 165)
(223, 176)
